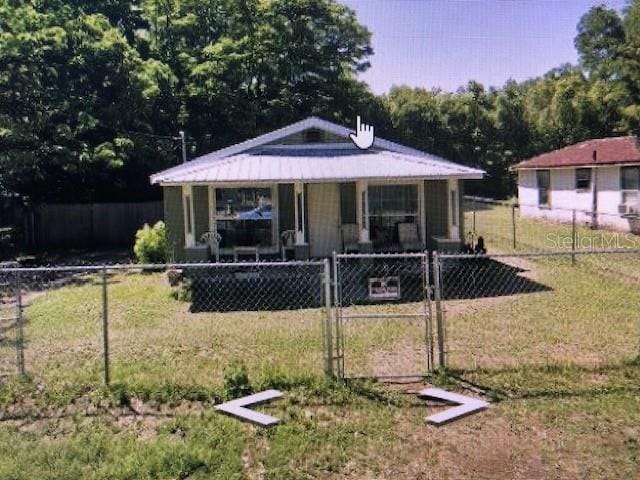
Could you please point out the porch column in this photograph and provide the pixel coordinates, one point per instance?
(362, 210)
(298, 195)
(453, 210)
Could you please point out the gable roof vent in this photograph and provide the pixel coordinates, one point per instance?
(313, 135)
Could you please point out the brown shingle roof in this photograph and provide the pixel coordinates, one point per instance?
(614, 150)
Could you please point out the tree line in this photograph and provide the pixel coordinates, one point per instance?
(92, 94)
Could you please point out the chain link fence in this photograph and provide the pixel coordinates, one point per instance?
(11, 352)
(383, 315)
(515, 310)
(507, 227)
(69, 328)
(181, 324)
(365, 315)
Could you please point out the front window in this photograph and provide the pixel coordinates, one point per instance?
(544, 184)
(630, 184)
(244, 217)
(390, 205)
(583, 178)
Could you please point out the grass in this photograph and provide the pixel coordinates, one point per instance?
(560, 366)
(498, 227)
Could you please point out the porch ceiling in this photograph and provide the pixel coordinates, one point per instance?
(332, 166)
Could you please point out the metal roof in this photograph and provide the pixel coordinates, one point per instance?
(339, 167)
(259, 160)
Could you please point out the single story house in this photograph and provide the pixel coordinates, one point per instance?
(308, 188)
(599, 179)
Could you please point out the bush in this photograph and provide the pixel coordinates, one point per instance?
(151, 244)
(236, 380)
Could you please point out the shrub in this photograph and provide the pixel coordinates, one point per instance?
(183, 290)
(236, 380)
(151, 244)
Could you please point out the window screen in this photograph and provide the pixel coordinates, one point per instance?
(244, 216)
(583, 178)
(393, 200)
(390, 205)
(630, 178)
(544, 182)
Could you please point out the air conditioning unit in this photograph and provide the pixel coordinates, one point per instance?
(628, 209)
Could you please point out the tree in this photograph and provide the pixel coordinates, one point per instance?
(600, 35)
(248, 67)
(415, 115)
(91, 93)
(71, 90)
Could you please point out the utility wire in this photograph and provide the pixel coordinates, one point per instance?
(151, 135)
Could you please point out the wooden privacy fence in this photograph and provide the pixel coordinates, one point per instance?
(88, 225)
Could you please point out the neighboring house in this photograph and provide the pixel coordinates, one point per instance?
(599, 179)
(308, 179)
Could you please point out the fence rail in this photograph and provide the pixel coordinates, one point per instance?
(362, 315)
(114, 321)
(507, 226)
(530, 309)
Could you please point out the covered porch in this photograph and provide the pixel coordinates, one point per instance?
(305, 220)
(305, 191)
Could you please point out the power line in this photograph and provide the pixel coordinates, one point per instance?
(151, 135)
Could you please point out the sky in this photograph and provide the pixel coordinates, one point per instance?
(445, 43)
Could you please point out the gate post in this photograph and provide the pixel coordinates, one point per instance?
(513, 226)
(105, 326)
(19, 326)
(439, 314)
(328, 324)
(339, 357)
(427, 312)
(573, 237)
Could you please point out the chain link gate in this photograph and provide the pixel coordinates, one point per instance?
(382, 310)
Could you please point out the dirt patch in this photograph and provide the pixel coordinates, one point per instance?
(483, 446)
(142, 419)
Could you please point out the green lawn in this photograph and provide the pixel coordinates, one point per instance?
(498, 225)
(560, 366)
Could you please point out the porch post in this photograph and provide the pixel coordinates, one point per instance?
(298, 189)
(453, 210)
(362, 203)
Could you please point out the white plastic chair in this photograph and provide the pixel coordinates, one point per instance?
(409, 238)
(212, 239)
(288, 240)
(350, 238)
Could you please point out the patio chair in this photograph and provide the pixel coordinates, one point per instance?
(212, 239)
(287, 244)
(350, 238)
(409, 238)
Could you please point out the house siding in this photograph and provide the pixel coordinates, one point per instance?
(564, 197)
(436, 209)
(200, 210)
(174, 221)
(348, 203)
(300, 138)
(286, 207)
(461, 226)
(306, 213)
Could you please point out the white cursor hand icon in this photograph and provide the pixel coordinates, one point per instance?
(363, 138)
